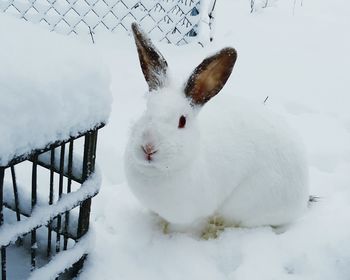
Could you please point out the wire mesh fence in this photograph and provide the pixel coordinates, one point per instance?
(172, 21)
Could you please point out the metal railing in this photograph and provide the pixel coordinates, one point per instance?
(63, 171)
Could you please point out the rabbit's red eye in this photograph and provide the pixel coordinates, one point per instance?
(182, 122)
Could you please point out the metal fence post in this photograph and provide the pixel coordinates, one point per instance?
(3, 248)
(85, 207)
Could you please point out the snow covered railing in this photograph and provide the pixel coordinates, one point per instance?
(42, 215)
(63, 234)
(64, 259)
(55, 96)
(175, 21)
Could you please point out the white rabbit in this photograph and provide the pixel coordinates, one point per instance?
(188, 162)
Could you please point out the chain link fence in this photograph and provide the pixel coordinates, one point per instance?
(172, 21)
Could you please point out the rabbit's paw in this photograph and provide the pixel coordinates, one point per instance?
(164, 225)
(216, 224)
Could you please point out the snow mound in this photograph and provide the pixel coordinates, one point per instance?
(51, 86)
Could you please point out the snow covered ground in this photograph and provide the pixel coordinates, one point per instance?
(295, 52)
(300, 60)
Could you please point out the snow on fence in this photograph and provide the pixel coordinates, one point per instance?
(173, 21)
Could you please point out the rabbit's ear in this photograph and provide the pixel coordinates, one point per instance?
(153, 64)
(210, 76)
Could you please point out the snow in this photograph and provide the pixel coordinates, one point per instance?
(298, 56)
(45, 79)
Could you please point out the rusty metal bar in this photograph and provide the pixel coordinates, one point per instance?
(52, 180)
(34, 200)
(69, 188)
(60, 191)
(85, 208)
(3, 248)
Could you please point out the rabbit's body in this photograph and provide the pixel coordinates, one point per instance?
(247, 167)
(232, 158)
(261, 160)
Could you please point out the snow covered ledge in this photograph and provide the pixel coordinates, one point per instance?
(51, 87)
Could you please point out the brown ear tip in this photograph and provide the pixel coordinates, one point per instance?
(229, 52)
(135, 27)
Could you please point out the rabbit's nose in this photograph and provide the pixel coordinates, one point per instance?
(148, 148)
(149, 151)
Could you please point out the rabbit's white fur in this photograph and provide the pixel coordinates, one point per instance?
(233, 158)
